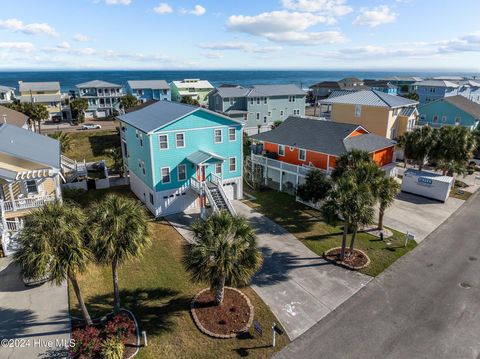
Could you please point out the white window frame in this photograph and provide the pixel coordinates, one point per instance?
(178, 173)
(281, 150)
(215, 135)
(160, 142)
(26, 187)
(358, 111)
(176, 139)
(300, 151)
(234, 134)
(281, 112)
(444, 119)
(218, 165)
(265, 100)
(231, 100)
(257, 116)
(296, 112)
(230, 164)
(458, 120)
(435, 120)
(141, 139)
(136, 133)
(169, 175)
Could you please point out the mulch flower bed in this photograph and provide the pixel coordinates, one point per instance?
(233, 317)
(356, 260)
(88, 339)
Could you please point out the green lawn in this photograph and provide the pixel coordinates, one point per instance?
(92, 145)
(308, 226)
(158, 290)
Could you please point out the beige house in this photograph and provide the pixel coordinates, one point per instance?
(45, 93)
(29, 177)
(380, 113)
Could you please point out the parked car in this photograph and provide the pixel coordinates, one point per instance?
(474, 161)
(91, 126)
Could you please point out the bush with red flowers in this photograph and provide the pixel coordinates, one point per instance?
(89, 339)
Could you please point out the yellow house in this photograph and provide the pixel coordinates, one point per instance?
(45, 93)
(29, 177)
(380, 113)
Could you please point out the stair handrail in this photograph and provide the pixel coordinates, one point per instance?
(210, 197)
(215, 179)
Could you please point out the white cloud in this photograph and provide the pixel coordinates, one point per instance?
(118, 2)
(376, 16)
(243, 46)
(214, 55)
(18, 46)
(163, 8)
(81, 38)
(330, 7)
(198, 10)
(16, 25)
(64, 45)
(286, 27)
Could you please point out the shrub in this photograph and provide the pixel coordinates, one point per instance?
(120, 326)
(112, 348)
(87, 342)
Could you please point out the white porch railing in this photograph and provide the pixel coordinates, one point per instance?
(26, 203)
(287, 167)
(13, 225)
(215, 179)
(196, 185)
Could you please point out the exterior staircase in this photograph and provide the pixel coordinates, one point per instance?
(213, 190)
(72, 170)
(219, 200)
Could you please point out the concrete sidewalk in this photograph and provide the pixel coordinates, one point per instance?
(299, 286)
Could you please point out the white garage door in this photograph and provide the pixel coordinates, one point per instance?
(176, 203)
(230, 190)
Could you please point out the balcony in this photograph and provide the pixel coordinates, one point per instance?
(27, 203)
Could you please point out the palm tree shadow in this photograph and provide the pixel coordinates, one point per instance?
(16, 323)
(154, 308)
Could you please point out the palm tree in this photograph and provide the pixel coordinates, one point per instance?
(224, 252)
(64, 138)
(119, 232)
(52, 244)
(387, 190)
(350, 161)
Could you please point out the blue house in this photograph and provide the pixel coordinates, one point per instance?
(179, 157)
(432, 90)
(452, 110)
(147, 90)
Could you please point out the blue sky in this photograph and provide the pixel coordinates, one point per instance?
(240, 34)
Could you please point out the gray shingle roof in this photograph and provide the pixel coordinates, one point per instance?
(38, 86)
(321, 136)
(161, 113)
(368, 142)
(29, 146)
(97, 84)
(149, 84)
(371, 98)
(12, 117)
(276, 90)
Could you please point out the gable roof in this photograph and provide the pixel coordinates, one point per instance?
(12, 117)
(29, 146)
(193, 83)
(161, 113)
(38, 86)
(149, 84)
(236, 91)
(371, 98)
(200, 157)
(97, 84)
(6, 88)
(462, 103)
(322, 136)
(276, 90)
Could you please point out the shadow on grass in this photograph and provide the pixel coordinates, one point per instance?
(154, 308)
(244, 352)
(100, 144)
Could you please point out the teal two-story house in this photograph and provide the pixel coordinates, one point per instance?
(179, 157)
(454, 111)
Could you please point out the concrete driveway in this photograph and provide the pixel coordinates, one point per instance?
(418, 215)
(36, 318)
(299, 287)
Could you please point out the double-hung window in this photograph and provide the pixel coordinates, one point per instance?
(281, 150)
(165, 173)
(302, 155)
(217, 135)
(31, 186)
(163, 142)
(141, 140)
(358, 110)
(180, 140)
(232, 164)
(218, 168)
(232, 134)
(182, 172)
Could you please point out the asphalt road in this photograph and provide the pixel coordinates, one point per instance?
(426, 305)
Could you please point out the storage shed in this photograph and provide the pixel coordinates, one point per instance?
(427, 184)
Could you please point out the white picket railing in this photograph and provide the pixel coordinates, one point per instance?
(13, 225)
(217, 180)
(26, 203)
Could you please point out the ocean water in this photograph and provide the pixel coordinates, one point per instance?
(303, 78)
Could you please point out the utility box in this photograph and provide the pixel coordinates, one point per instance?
(427, 184)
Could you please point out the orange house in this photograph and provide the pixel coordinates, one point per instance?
(317, 143)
